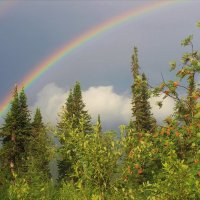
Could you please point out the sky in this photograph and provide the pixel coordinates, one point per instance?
(31, 31)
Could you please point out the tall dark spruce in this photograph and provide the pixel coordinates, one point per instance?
(141, 109)
(16, 132)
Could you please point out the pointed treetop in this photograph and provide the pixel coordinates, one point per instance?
(77, 89)
(14, 108)
(37, 121)
(69, 102)
(23, 103)
(15, 92)
(135, 63)
(22, 96)
(144, 76)
(141, 109)
(99, 123)
(77, 98)
(15, 87)
(74, 113)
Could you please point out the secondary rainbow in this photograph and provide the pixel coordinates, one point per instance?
(81, 40)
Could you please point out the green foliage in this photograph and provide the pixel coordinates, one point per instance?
(135, 64)
(16, 133)
(141, 109)
(22, 189)
(172, 65)
(26, 151)
(73, 111)
(40, 149)
(139, 163)
(37, 121)
(75, 118)
(185, 107)
(198, 24)
(99, 125)
(187, 41)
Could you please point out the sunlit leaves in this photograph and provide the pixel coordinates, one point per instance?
(187, 41)
(172, 65)
(198, 24)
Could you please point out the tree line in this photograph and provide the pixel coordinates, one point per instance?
(147, 161)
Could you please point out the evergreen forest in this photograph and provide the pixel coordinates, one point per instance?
(145, 160)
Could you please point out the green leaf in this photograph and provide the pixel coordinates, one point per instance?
(172, 65)
(187, 41)
(198, 24)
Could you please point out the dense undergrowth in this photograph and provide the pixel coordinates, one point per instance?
(146, 161)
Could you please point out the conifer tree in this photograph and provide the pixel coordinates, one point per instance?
(73, 118)
(79, 111)
(37, 123)
(16, 134)
(147, 121)
(99, 125)
(25, 121)
(40, 147)
(135, 64)
(135, 94)
(141, 109)
(9, 132)
(74, 111)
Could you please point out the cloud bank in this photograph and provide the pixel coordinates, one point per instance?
(115, 109)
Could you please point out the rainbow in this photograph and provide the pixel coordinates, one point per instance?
(49, 62)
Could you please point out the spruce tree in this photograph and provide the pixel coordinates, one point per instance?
(135, 64)
(135, 92)
(10, 130)
(37, 123)
(73, 113)
(40, 147)
(73, 118)
(141, 109)
(25, 122)
(16, 134)
(99, 125)
(147, 121)
(79, 111)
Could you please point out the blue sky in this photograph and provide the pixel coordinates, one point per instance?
(33, 30)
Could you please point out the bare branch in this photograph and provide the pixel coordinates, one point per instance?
(162, 77)
(183, 87)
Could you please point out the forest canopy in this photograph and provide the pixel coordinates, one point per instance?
(146, 160)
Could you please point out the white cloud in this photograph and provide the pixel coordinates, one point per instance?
(166, 109)
(49, 100)
(113, 108)
(104, 101)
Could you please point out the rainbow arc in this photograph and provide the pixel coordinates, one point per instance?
(65, 50)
